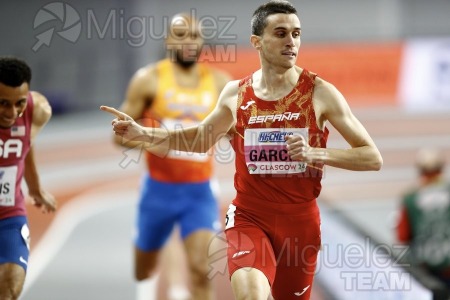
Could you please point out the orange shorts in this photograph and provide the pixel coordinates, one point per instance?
(281, 240)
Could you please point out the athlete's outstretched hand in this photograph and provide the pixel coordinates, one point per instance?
(43, 200)
(124, 125)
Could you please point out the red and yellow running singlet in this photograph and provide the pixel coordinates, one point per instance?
(175, 106)
(264, 171)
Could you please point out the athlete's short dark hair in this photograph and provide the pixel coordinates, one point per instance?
(259, 19)
(14, 71)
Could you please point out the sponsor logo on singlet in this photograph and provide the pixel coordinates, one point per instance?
(240, 253)
(287, 116)
(249, 103)
(273, 136)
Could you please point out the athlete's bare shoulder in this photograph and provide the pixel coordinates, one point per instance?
(142, 86)
(325, 93)
(229, 94)
(42, 112)
(146, 71)
(144, 76)
(223, 117)
(228, 97)
(328, 102)
(221, 78)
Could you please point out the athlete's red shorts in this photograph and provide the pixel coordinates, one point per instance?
(281, 240)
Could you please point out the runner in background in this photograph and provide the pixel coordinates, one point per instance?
(175, 92)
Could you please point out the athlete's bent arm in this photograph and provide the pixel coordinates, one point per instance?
(139, 95)
(41, 115)
(198, 138)
(331, 106)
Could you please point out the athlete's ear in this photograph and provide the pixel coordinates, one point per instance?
(255, 40)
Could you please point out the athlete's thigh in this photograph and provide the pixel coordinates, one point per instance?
(14, 241)
(12, 278)
(155, 218)
(248, 244)
(296, 248)
(198, 250)
(145, 263)
(14, 252)
(200, 211)
(153, 228)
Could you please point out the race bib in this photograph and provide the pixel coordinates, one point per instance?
(175, 154)
(266, 153)
(8, 185)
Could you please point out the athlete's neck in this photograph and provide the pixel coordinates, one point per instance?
(275, 85)
(187, 77)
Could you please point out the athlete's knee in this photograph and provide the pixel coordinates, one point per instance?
(199, 274)
(141, 273)
(145, 264)
(140, 276)
(199, 269)
(251, 293)
(15, 293)
(12, 279)
(249, 283)
(10, 292)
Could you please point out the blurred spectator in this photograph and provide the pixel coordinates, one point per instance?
(424, 222)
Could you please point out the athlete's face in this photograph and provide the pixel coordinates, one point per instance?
(184, 40)
(280, 41)
(13, 101)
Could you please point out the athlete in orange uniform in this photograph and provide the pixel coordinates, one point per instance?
(177, 106)
(277, 116)
(173, 93)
